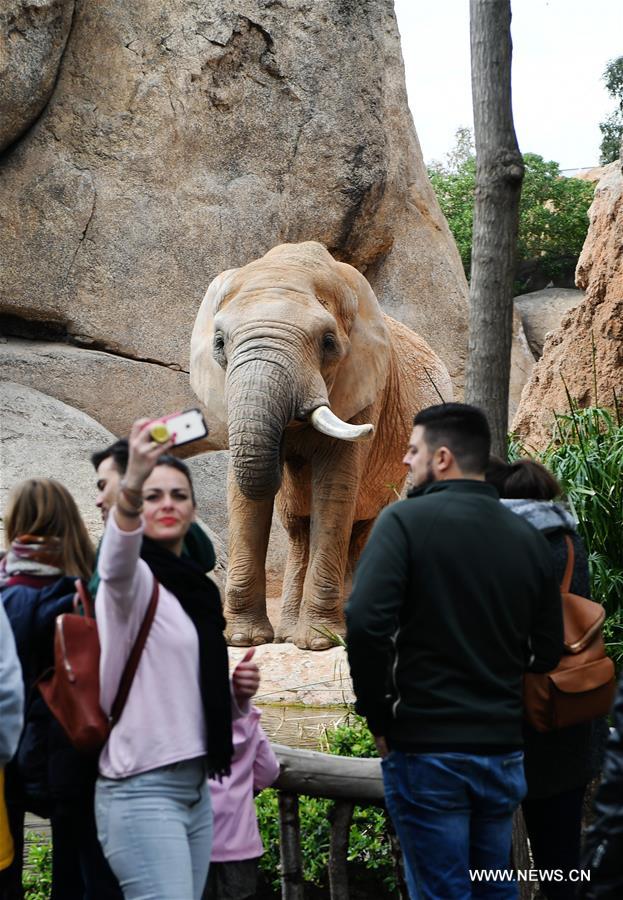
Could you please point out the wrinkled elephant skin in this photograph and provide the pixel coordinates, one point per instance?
(273, 341)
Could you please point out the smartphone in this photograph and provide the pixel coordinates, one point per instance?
(186, 426)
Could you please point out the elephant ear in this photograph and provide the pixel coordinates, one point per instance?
(207, 378)
(363, 372)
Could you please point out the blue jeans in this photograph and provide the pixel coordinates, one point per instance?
(156, 831)
(454, 812)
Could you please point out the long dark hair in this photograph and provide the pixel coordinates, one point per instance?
(524, 479)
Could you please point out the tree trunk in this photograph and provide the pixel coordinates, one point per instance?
(499, 174)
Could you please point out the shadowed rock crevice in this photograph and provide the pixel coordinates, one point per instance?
(42, 330)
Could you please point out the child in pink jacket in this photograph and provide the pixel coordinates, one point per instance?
(237, 845)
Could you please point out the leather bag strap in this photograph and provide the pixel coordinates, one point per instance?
(83, 598)
(134, 658)
(565, 584)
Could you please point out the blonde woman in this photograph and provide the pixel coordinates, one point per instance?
(47, 549)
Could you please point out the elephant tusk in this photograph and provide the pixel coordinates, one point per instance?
(327, 422)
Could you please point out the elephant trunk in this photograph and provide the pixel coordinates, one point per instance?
(261, 401)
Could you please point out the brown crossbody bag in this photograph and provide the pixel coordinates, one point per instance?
(72, 688)
(582, 685)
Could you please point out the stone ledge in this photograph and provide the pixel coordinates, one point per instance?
(293, 676)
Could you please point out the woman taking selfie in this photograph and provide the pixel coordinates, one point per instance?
(152, 800)
(48, 548)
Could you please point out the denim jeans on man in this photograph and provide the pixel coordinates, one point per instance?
(156, 831)
(454, 812)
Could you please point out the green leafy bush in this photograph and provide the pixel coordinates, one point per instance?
(553, 210)
(586, 456)
(37, 877)
(369, 846)
(612, 128)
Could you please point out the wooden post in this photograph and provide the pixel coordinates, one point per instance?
(499, 175)
(341, 816)
(290, 847)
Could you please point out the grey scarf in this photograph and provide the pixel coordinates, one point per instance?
(546, 515)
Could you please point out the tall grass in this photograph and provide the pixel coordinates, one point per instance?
(586, 455)
(587, 458)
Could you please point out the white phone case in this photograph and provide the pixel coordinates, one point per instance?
(187, 426)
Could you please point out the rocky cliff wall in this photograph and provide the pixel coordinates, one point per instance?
(182, 139)
(588, 346)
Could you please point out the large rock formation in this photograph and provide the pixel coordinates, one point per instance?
(185, 138)
(43, 438)
(542, 312)
(588, 346)
(33, 34)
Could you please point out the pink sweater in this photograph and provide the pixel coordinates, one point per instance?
(255, 766)
(163, 720)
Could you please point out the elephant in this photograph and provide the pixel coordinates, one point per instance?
(313, 388)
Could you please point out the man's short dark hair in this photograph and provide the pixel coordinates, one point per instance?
(461, 428)
(119, 452)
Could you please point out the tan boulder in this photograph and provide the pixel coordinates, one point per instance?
(33, 34)
(522, 364)
(42, 437)
(113, 390)
(569, 356)
(542, 312)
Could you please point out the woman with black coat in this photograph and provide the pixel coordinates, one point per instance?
(48, 548)
(558, 764)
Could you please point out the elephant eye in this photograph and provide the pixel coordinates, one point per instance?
(218, 348)
(329, 342)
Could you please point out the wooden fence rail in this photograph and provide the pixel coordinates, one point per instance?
(349, 782)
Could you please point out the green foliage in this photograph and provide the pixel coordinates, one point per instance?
(612, 128)
(552, 214)
(455, 193)
(369, 847)
(350, 738)
(586, 456)
(611, 138)
(613, 636)
(37, 877)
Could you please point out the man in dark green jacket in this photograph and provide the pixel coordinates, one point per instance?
(454, 598)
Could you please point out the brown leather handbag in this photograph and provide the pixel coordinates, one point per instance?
(72, 688)
(582, 686)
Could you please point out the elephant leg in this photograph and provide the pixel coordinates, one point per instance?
(334, 493)
(358, 539)
(294, 578)
(245, 593)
